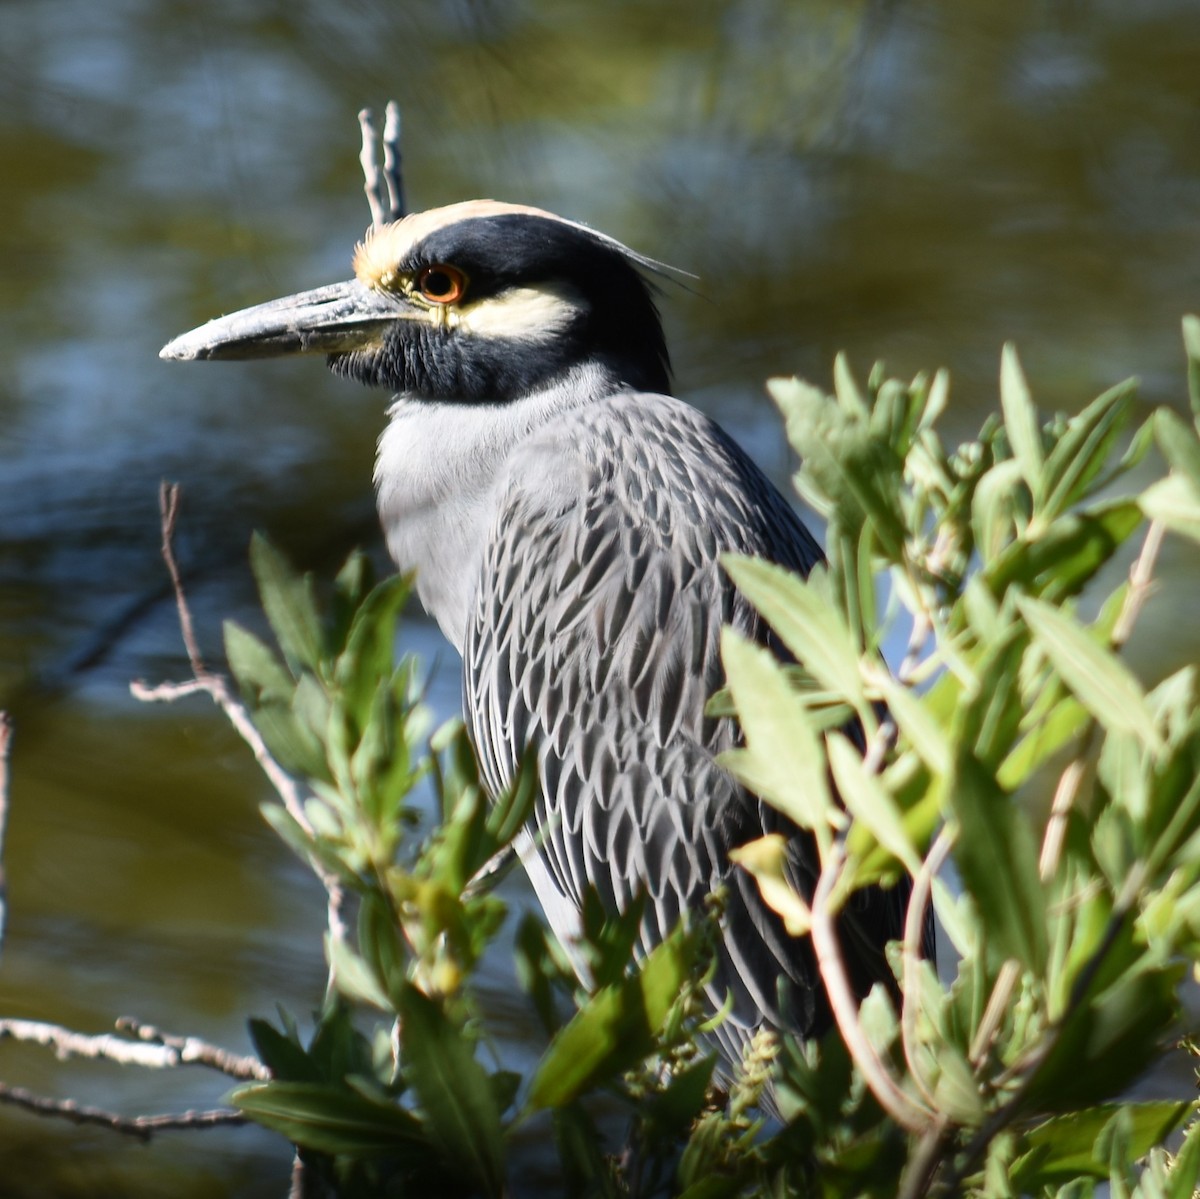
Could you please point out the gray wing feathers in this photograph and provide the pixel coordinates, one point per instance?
(595, 634)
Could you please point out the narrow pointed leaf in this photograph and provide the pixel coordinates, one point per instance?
(997, 857)
(332, 1118)
(805, 621)
(1095, 675)
(288, 601)
(454, 1092)
(869, 801)
(616, 1027)
(1021, 419)
(783, 760)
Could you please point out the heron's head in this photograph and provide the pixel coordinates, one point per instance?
(476, 301)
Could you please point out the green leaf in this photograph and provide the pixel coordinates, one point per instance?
(1096, 676)
(1021, 420)
(1179, 444)
(615, 1029)
(1106, 1041)
(916, 722)
(1081, 453)
(1191, 344)
(870, 802)
(370, 645)
(289, 604)
(783, 760)
(353, 976)
(332, 1118)
(997, 856)
(1174, 502)
(259, 673)
(454, 1092)
(807, 624)
(283, 1055)
(1062, 558)
(858, 472)
(1063, 1148)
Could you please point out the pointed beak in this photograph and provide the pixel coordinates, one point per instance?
(327, 320)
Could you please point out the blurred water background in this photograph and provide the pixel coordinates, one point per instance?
(912, 181)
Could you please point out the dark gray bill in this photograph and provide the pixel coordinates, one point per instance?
(327, 320)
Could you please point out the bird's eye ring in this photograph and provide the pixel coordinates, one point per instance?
(441, 283)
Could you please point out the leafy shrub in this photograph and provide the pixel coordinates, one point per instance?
(1012, 743)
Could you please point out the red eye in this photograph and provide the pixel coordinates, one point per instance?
(442, 284)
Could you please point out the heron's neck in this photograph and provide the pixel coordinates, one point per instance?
(436, 475)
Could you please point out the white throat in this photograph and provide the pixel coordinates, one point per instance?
(436, 477)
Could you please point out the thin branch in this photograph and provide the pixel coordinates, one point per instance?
(989, 1025)
(914, 929)
(216, 686)
(887, 1091)
(1141, 578)
(168, 507)
(370, 169)
(142, 1127)
(195, 1051)
(150, 1048)
(6, 730)
(392, 162)
(384, 188)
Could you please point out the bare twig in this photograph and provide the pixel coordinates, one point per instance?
(989, 1025)
(217, 687)
(392, 163)
(142, 1127)
(887, 1091)
(5, 749)
(194, 1051)
(150, 1048)
(1141, 579)
(384, 189)
(914, 930)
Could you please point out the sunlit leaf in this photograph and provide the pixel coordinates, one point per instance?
(258, 671)
(806, 623)
(1021, 419)
(783, 760)
(870, 802)
(766, 859)
(1175, 502)
(1082, 452)
(288, 601)
(1096, 676)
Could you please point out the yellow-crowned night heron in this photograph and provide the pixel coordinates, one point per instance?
(565, 517)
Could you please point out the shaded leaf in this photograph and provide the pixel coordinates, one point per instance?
(333, 1118)
(1064, 1147)
(615, 1028)
(997, 857)
(454, 1092)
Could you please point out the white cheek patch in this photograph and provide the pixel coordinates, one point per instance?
(527, 313)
